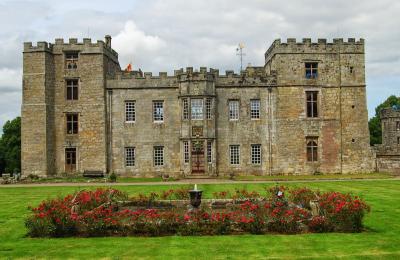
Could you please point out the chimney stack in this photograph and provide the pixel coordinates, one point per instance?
(108, 41)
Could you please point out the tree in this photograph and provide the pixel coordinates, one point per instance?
(10, 146)
(374, 124)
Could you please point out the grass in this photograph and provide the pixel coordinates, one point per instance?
(380, 241)
(79, 179)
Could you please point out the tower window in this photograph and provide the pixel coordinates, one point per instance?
(130, 156)
(72, 123)
(130, 111)
(71, 60)
(311, 70)
(255, 109)
(312, 103)
(158, 111)
(72, 89)
(312, 149)
(233, 110)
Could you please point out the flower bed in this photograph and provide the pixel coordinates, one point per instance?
(109, 212)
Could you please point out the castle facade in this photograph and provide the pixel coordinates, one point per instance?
(302, 112)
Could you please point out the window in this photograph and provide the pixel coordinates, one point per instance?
(233, 110)
(351, 69)
(312, 103)
(311, 70)
(312, 149)
(255, 109)
(398, 126)
(209, 151)
(71, 59)
(197, 109)
(130, 111)
(70, 159)
(158, 155)
(72, 89)
(398, 140)
(208, 108)
(185, 108)
(234, 154)
(72, 124)
(130, 156)
(186, 151)
(256, 153)
(158, 111)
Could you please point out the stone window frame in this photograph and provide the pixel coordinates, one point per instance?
(208, 108)
(197, 110)
(256, 154)
(234, 109)
(255, 111)
(71, 59)
(209, 151)
(130, 111)
(312, 114)
(158, 117)
(74, 89)
(234, 154)
(312, 153)
(311, 69)
(397, 125)
(186, 152)
(72, 124)
(158, 155)
(185, 109)
(130, 156)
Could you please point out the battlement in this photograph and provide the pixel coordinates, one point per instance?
(307, 46)
(60, 45)
(390, 112)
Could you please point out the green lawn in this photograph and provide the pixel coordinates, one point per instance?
(381, 241)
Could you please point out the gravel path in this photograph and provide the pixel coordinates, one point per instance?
(185, 181)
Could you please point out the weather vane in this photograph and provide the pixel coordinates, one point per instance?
(239, 52)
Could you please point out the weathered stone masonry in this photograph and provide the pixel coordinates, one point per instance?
(282, 135)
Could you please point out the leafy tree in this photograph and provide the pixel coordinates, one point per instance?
(10, 146)
(375, 127)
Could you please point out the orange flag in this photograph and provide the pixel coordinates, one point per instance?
(129, 67)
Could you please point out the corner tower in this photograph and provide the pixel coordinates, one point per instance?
(320, 106)
(64, 110)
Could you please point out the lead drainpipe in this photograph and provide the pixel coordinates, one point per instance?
(269, 130)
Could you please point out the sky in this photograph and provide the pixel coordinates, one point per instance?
(161, 35)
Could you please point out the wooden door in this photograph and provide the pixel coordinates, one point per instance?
(70, 160)
(198, 159)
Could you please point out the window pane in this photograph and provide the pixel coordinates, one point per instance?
(130, 111)
(234, 154)
(186, 151)
(185, 109)
(158, 111)
(158, 155)
(209, 151)
(256, 154)
(130, 156)
(312, 149)
(255, 109)
(197, 109)
(208, 108)
(234, 110)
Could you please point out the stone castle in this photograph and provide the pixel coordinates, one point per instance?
(302, 112)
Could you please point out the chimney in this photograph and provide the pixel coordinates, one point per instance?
(108, 41)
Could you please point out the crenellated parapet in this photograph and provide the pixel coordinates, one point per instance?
(252, 76)
(338, 45)
(86, 46)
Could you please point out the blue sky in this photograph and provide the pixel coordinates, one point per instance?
(160, 35)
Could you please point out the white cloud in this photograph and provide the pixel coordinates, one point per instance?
(132, 43)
